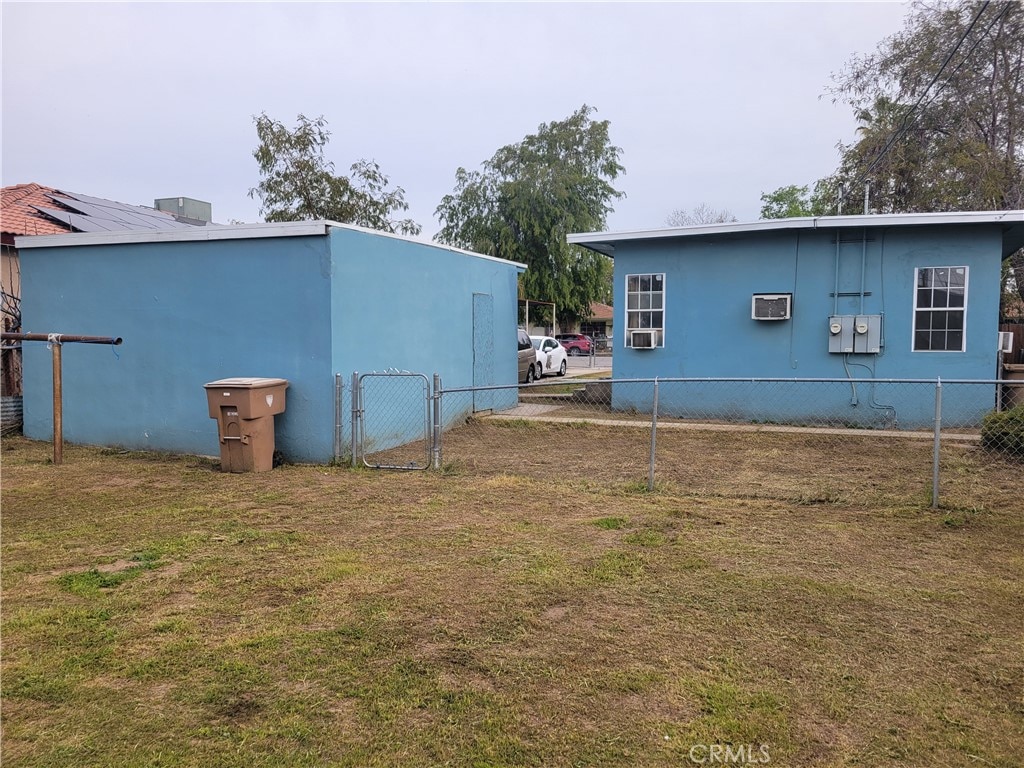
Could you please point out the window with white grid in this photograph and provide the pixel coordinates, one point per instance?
(940, 309)
(645, 307)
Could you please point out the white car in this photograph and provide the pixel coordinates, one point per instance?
(550, 356)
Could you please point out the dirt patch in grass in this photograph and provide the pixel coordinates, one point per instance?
(531, 605)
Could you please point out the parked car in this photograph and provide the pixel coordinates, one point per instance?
(527, 357)
(550, 356)
(576, 343)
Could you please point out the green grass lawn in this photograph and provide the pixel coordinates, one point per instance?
(156, 612)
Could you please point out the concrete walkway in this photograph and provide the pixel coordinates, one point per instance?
(585, 366)
(539, 412)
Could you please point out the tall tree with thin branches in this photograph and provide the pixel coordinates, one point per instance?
(299, 183)
(529, 196)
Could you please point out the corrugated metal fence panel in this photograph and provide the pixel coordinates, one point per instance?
(10, 414)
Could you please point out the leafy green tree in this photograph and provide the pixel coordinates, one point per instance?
(940, 107)
(299, 183)
(701, 214)
(786, 202)
(941, 112)
(793, 201)
(529, 196)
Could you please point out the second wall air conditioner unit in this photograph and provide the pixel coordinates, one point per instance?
(643, 339)
(771, 306)
(1006, 342)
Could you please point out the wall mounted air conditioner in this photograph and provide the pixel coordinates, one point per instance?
(1006, 342)
(771, 306)
(643, 339)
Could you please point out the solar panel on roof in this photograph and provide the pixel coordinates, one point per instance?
(124, 218)
(78, 221)
(86, 209)
(106, 203)
(118, 216)
(115, 206)
(99, 209)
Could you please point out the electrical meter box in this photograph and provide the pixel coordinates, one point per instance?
(840, 334)
(855, 334)
(867, 334)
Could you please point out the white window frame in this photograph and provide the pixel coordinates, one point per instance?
(650, 293)
(917, 309)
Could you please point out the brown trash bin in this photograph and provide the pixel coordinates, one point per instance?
(244, 409)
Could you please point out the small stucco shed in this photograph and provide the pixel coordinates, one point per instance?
(302, 301)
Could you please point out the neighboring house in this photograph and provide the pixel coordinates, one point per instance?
(18, 216)
(884, 296)
(32, 209)
(301, 301)
(600, 324)
(596, 325)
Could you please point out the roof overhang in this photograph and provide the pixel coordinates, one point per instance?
(1012, 222)
(229, 232)
(192, 234)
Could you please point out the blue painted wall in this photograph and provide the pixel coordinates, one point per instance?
(709, 332)
(402, 304)
(406, 305)
(189, 313)
(300, 308)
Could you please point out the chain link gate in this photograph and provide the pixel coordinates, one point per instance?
(391, 420)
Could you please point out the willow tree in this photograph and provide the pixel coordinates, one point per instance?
(525, 199)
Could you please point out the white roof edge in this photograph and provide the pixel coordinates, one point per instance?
(428, 243)
(192, 234)
(228, 232)
(805, 222)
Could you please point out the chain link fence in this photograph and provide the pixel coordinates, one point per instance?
(797, 440)
(393, 420)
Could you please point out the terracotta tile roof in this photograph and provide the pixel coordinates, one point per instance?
(18, 217)
(32, 209)
(599, 311)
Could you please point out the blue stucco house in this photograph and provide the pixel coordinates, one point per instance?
(301, 301)
(907, 296)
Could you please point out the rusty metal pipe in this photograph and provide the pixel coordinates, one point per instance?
(58, 407)
(60, 338)
(56, 341)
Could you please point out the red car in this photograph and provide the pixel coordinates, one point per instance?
(576, 343)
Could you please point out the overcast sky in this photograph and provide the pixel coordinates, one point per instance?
(710, 102)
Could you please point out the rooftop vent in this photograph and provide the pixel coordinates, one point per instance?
(185, 209)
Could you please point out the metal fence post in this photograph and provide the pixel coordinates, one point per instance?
(937, 441)
(436, 433)
(999, 385)
(654, 437)
(355, 419)
(58, 405)
(338, 387)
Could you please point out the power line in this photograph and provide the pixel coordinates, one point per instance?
(905, 126)
(907, 122)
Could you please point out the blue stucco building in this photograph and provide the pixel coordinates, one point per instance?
(906, 296)
(301, 301)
